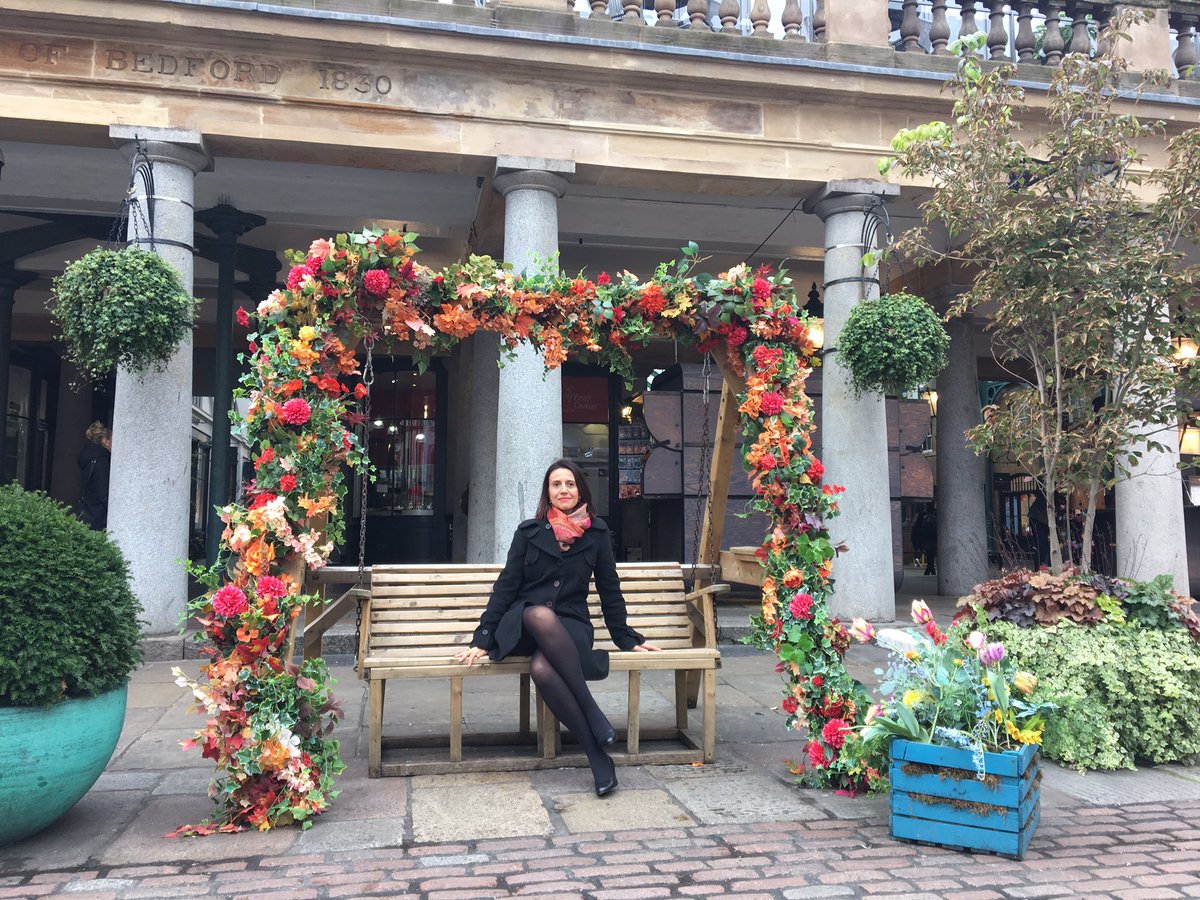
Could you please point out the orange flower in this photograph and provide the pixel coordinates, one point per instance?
(258, 556)
(245, 635)
(304, 355)
(793, 578)
(273, 755)
(455, 321)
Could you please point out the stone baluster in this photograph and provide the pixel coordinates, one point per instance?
(760, 18)
(1025, 43)
(910, 27)
(1053, 45)
(599, 9)
(697, 11)
(729, 10)
(1103, 17)
(997, 39)
(939, 30)
(633, 12)
(793, 21)
(665, 10)
(1081, 39)
(968, 27)
(1185, 50)
(818, 22)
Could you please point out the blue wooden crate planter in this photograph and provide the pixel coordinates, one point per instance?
(1011, 793)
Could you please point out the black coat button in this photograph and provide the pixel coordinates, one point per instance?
(484, 631)
(550, 603)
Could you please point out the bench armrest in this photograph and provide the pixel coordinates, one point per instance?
(703, 616)
(711, 589)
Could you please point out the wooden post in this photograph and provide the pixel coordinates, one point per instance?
(375, 725)
(633, 731)
(525, 705)
(456, 700)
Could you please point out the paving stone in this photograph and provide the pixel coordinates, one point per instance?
(723, 800)
(492, 808)
(627, 809)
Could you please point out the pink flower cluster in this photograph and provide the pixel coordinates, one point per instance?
(269, 586)
(801, 606)
(771, 403)
(296, 411)
(377, 282)
(230, 601)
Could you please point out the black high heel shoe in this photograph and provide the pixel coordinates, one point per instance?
(605, 734)
(606, 785)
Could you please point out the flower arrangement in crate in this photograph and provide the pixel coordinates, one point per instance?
(963, 731)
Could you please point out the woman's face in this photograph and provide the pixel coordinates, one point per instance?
(564, 492)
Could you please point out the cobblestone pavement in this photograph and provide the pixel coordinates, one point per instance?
(1146, 851)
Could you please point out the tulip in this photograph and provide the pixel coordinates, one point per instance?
(1025, 682)
(875, 710)
(921, 613)
(862, 631)
(992, 654)
(975, 640)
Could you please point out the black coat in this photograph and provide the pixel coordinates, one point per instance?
(538, 572)
(94, 465)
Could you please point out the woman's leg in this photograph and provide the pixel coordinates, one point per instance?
(553, 689)
(553, 639)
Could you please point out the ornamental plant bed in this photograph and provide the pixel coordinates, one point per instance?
(939, 797)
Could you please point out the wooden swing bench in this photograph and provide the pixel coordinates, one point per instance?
(417, 617)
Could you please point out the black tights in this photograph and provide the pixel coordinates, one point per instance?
(558, 674)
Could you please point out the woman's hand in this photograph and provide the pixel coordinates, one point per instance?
(470, 655)
(647, 648)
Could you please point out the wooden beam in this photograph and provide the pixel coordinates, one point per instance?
(713, 524)
(633, 722)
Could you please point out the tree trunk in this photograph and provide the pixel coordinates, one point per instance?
(1089, 522)
(1056, 559)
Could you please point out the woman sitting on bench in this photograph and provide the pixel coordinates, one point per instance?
(539, 609)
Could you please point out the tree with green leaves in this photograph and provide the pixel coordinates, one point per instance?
(1077, 247)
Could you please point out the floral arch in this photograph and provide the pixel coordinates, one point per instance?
(270, 721)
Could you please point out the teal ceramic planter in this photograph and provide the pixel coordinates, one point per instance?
(50, 758)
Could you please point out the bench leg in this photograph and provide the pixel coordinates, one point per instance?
(525, 706)
(693, 689)
(456, 684)
(633, 732)
(681, 699)
(710, 715)
(549, 731)
(375, 726)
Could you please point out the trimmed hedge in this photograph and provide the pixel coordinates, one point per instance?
(68, 619)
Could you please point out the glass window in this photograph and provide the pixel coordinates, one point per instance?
(402, 442)
(587, 446)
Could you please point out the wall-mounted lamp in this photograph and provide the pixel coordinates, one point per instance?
(1185, 350)
(627, 412)
(816, 321)
(1189, 438)
(931, 397)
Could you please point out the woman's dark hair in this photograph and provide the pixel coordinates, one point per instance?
(585, 493)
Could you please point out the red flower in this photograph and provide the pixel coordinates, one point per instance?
(269, 586)
(767, 461)
(653, 302)
(360, 391)
(438, 279)
(736, 335)
(243, 317)
(761, 289)
(377, 282)
(790, 705)
(262, 499)
(229, 601)
(618, 314)
(265, 457)
(817, 681)
(603, 279)
(816, 754)
(834, 733)
(771, 403)
(296, 411)
(765, 357)
(801, 606)
(291, 387)
(815, 469)
(346, 440)
(296, 275)
(287, 483)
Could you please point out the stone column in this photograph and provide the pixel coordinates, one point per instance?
(854, 429)
(228, 224)
(861, 22)
(961, 510)
(1150, 529)
(149, 491)
(10, 280)
(528, 400)
(1150, 44)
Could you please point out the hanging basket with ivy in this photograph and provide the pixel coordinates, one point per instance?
(121, 308)
(893, 344)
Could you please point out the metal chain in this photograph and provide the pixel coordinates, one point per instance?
(705, 464)
(368, 379)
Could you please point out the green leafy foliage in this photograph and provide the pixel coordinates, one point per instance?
(1125, 693)
(68, 619)
(121, 308)
(893, 344)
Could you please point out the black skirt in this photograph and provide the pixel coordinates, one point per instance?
(594, 662)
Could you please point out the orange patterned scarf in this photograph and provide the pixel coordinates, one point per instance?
(569, 526)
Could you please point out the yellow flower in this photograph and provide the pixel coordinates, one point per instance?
(997, 715)
(1025, 682)
(308, 333)
(1027, 735)
(913, 697)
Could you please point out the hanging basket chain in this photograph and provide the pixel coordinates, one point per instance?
(133, 213)
(704, 506)
(368, 380)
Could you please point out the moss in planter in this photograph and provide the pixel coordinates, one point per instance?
(68, 619)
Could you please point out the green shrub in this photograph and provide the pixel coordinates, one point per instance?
(894, 344)
(1126, 693)
(68, 619)
(121, 308)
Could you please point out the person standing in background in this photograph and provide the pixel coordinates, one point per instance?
(95, 460)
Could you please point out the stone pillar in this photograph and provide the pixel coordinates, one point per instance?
(1150, 528)
(1149, 45)
(149, 491)
(10, 280)
(228, 224)
(481, 499)
(961, 473)
(459, 442)
(528, 399)
(861, 22)
(854, 429)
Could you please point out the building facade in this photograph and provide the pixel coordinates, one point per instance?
(522, 129)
